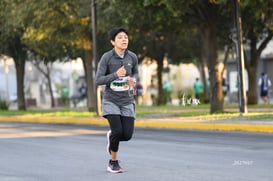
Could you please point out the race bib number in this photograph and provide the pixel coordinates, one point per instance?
(120, 84)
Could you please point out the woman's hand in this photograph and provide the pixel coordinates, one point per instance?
(131, 81)
(121, 72)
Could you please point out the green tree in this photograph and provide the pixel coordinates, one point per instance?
(55, 33)
(57, 29)
(68, 24)
(155, 31)
(12, 44)
(257, 19)
(207, 17)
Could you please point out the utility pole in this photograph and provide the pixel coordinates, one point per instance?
(95, 60)
(240, 58)
(94, 31)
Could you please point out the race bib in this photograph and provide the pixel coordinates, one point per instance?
(120, 84)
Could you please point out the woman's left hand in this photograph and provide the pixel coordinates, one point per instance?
(131, 81)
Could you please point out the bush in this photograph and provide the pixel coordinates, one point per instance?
(3, 105)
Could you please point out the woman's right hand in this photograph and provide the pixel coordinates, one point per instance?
(121, 72)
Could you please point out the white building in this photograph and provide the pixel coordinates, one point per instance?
(36, 87)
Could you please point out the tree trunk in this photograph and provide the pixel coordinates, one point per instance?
(204, 81)
(20, 74)
(47, 75)
(252, 64)
(161, 99)
(216, 97)
(216, 94)
(203, 62)
(160, 59)
(252, 93)
(48, 78)
(91, 88)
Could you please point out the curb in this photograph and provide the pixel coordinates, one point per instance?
(262, 128)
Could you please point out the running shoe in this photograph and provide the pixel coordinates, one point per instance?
(114, 167)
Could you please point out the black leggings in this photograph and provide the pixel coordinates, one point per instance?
(122, 129)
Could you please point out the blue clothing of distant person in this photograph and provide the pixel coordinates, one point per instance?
(264, 83)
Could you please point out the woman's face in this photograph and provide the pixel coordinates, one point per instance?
(121, 41)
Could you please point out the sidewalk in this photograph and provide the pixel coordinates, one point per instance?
(264, 126)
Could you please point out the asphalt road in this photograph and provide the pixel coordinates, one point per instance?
(57, 152)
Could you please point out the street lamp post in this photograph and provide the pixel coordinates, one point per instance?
(94, 48)
(240, 58)
(94, 30)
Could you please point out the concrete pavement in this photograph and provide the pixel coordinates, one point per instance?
(63, 152)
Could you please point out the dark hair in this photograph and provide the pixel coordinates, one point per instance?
(114, 31)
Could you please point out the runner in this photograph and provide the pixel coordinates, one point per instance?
(118, 70)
